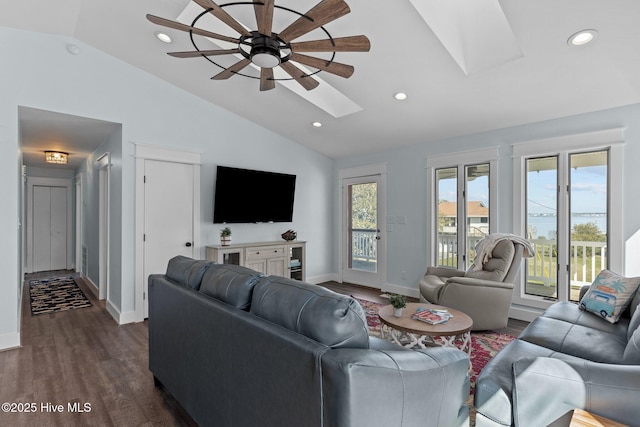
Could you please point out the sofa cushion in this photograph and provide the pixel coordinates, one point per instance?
(498, 265)
(576, 340)
(609, 295)
(232, 284)
(571, 313)
(335, 320)
(187, 271)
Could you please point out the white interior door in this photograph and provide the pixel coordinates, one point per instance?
(363, 246)
(50, 231)
(168, 216)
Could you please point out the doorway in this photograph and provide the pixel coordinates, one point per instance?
(48, 224)
(363, 230)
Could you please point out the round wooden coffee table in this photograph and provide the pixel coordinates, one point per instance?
(410, 333)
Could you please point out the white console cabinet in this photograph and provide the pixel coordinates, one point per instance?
(285, 259)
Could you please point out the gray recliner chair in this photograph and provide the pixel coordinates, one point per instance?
(483, 294)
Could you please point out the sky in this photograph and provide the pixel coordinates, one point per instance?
(588, 190)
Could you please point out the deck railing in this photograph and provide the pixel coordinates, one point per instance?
(586, 259)
(364, 245)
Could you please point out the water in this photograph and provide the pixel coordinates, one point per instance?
(545, 225)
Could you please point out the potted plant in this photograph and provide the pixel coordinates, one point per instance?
(225, 236)
(398, 302)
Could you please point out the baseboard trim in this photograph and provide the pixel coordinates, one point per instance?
(128, 317)
(316, 280)
(528, 314)
(10, 341)
(121, 318)
(92, 286)
(113, 311)
(402, 290)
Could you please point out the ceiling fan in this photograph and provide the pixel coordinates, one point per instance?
(266, 49)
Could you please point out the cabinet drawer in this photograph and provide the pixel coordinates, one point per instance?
(265, 252)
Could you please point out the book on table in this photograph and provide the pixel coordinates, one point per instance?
(432, 316)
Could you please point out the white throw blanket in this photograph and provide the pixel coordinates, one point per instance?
(484, 248)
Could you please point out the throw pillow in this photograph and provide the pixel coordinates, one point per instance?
(609, 295)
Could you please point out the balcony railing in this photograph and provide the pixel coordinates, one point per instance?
(364, 248)
(586, 259)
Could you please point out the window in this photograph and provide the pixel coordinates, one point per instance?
(461, 192)
(567, 205)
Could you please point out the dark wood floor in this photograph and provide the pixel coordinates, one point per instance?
(83, 357)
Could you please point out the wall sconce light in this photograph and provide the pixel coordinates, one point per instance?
(56, 157)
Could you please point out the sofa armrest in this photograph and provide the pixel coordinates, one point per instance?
(545, 389)
(471, 281)
(395, 388)
(444, 272)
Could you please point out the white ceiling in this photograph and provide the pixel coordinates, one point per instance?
(448, 63)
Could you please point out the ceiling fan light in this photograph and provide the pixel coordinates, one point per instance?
(265, 59)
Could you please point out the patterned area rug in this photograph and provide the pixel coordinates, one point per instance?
(56, 294)
(484, 345)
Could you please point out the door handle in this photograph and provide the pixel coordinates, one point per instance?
(188, 244)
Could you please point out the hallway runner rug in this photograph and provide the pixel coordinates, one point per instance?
(484, 345)
(55, 295)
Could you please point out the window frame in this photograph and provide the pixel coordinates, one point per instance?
(459, 160)
(611, 140)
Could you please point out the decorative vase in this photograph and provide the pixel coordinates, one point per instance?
(225, 240)
(397, 312)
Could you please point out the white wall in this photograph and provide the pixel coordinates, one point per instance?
(44, 75)
(406, 185)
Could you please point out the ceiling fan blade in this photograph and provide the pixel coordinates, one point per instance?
(266, 79)
(264, 16)
(199, 53)
(232, 70)
(188, 28)
(341, 44)
(219, 13)
(307, 82)
(336, 68)
(322, 13)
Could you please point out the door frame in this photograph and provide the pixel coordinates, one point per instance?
(104, 223)
(46, 182)
(378, 170)
(79, 202)
(151, 152)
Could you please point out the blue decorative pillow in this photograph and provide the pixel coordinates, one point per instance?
(609, 295)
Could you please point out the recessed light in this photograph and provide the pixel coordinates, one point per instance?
(163, 37)
(400, 96)
(316, 124)
(582, 37)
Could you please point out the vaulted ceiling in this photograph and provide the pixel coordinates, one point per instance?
(467, 66)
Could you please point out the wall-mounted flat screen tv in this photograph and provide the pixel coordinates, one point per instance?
(251, 196)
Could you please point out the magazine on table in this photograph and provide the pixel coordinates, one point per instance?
(432, 316)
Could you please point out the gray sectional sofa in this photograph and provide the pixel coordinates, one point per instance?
(235, 348)
(564, 359)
